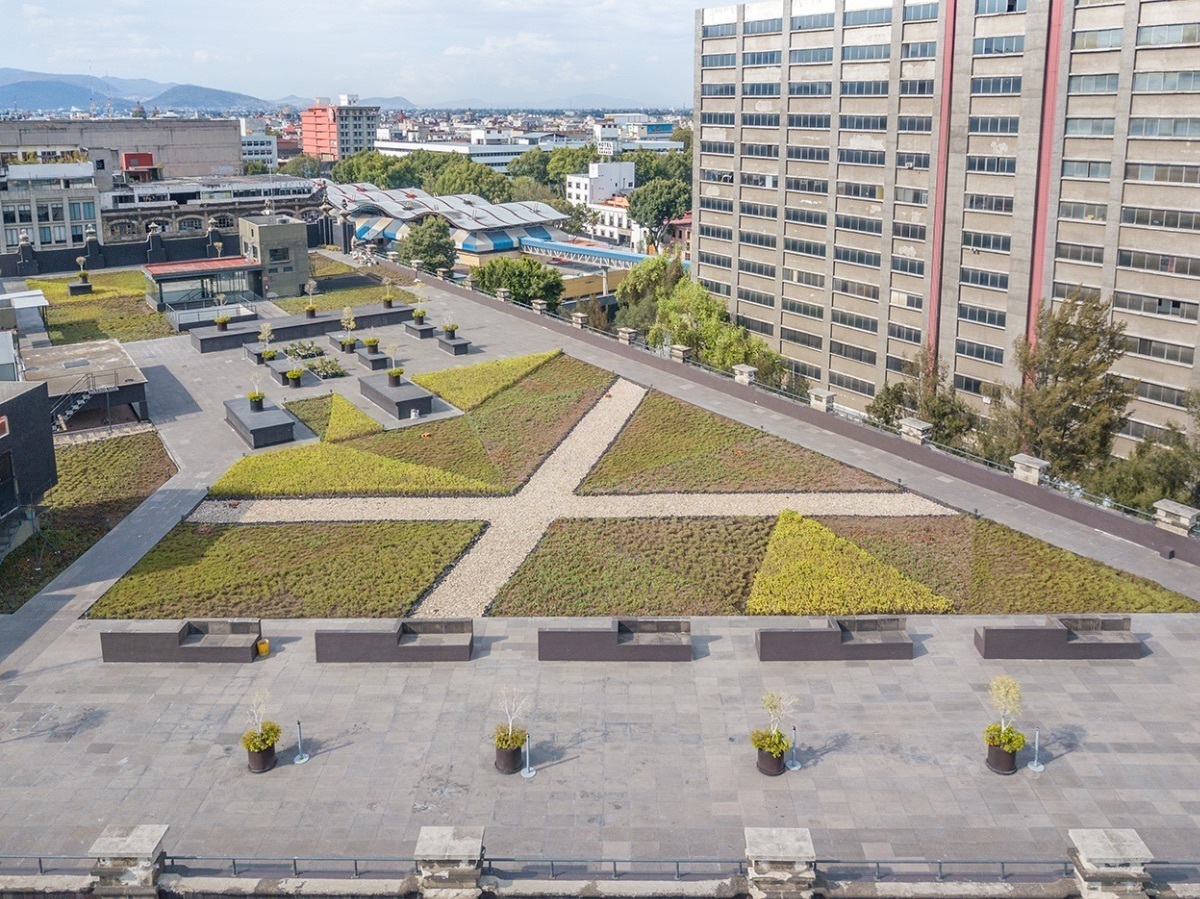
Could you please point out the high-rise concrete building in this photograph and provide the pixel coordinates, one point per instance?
(873, 177)
(332, 131)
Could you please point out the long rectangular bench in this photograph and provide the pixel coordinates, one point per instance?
(406, 640)
(194, 640)
(866, 637)
(622, 640)
(1062, 637)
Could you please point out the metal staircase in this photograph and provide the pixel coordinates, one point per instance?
(75, 399)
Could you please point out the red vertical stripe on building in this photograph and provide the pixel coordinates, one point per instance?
(1041, 217)
(939, 194)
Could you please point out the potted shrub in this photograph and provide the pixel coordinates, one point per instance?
(1003, 740)
(268, 355)
(259, 741)
(294, 375)
(222, 322)
(387, 297)
(449, 330)
(508, 737)
(394, 376)
(256, 400)
(81, 261)
(349, 344)
(419, 315)
(372, 344)
(310, 311)
(771, 743)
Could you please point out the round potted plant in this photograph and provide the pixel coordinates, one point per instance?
(394, 376)
(256, 400)
(1003, 740)
(419, 316)
(449, 330)
(81, 261)
(294, 375)
(222, 322)
(310, 311)
(349, 344)
(372, 345)
(770, 742)
(268, 355)
(508, 737)
(259, 741)
(387, 297)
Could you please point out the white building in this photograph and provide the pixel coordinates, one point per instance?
(495, 149)
(602, 181)
(52, 202)
(257, 145)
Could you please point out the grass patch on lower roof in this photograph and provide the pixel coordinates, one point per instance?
(634, 566)
(672, 446)
(338, 291)
(325, 570)
(98, 485)
(810, 570)
(115, 309)
(492, 449)
(468, 387)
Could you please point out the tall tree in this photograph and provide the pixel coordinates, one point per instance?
(525, 189)
(302, 165)
(654, 205)
(644, 286)
(926, 391)
(685, 134)
(254, 167)
(531, 164)
(428, 240)
(462, 176)
(1069, 403)
(526, 280)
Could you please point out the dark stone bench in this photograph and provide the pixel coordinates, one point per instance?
(194, 640)
(400, 400)
(420, 330)
(865, 637)
(407, 640)
(374, 359)
(623, 640)
(1061, 637)
(296, 327)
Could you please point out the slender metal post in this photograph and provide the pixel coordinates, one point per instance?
(1036, 765)
(793, 764)
(301, 755)
(528, 772)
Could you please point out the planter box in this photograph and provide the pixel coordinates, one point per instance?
(421, 331)
(624, 640)
(373, 361)
(335, 341)
(1062, 637)
(836, 640)
(269, 427)
(399, 401)
(455, 346)
(76, 288)
(295, 327)
(195, 640)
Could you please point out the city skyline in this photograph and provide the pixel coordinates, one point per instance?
(500, 55)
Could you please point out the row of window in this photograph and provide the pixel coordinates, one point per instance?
(806, 216)
(847, 382)
(1164, 127)
(993, 318)
(1160, 218)
(994, 243)
(753, 324)
(856, 256)
(758, 297)
(850, 351)
(855, 289)
(1074, 252)
(1152, 35)
(1159, 349)
(988, 203)
(1081, 127)
(982, 351)
(854, 320)
(1148, 305)
(801, 338)
(997, 124)
(1005, 84)
(762, 269)
(804, 247)
(1159, 262)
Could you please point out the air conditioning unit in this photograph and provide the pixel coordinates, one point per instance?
(908, 165)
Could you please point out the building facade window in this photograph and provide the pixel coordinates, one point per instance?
(982, 351)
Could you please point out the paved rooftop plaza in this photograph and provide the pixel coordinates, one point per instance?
(644, 760)
(639, 760)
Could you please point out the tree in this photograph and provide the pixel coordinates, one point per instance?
(531, 164)
(462, 176)
(302, 166)
(565, 161)
(1069, 403)
(526, 280)
(582, 219)
(254, 167)
(685, 134)
(524, 189)
(654, 205)
(926, 391)
(428, 240)
(645, 284)
(389, 172)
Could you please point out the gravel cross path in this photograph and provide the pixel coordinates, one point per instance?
(516, 523)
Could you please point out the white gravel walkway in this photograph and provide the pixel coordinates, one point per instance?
(516, 523)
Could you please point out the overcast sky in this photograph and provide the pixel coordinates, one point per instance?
(430, 51)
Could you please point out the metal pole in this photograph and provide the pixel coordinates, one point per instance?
(793, 764)
(301, 755)
(1036, 765)
(528, 772)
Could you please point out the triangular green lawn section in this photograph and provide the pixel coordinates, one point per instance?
(472, 385)
(1013, 573)
(313, 412)
(810, 570)
(328, 469)
(347, 421)
(669, 445)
